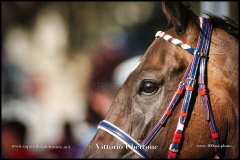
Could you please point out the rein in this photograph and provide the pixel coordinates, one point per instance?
(187, 84)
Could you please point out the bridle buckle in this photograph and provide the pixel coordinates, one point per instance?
(201, 54)
(181, 83)
(192, 79)
(172, 149)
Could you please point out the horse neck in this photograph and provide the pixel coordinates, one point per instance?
(224, 52)
(223, 63)
(222, 71)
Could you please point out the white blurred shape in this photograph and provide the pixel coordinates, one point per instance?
(17, 46)
(123, 70)
(50, 32)
(218, 8)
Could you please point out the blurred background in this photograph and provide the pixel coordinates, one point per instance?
(62, 64)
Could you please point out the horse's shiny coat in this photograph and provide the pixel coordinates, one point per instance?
(165, 63)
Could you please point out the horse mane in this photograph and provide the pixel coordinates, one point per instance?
(181, 16)
(226, 24)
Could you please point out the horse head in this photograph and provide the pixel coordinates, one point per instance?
(143, 98)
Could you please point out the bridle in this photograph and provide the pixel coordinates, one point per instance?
(187, 84)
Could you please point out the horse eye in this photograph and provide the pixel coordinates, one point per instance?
(148, 87)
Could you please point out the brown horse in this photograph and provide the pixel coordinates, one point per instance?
(146, 93)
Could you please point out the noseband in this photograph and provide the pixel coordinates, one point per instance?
(187, 84)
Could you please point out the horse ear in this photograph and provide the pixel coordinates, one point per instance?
(177, 13)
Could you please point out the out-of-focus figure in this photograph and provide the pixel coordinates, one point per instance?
(70, 148)
(102, 89)
(13, 141)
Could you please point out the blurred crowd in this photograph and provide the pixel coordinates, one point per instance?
(60, 72)
(107, 65)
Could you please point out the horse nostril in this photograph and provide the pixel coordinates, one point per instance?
(148, 87)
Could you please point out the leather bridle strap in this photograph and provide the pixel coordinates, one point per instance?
(170, 108)
(123, 137)
(174, 146)
(204, 95)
